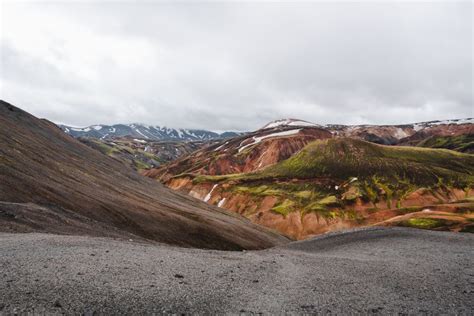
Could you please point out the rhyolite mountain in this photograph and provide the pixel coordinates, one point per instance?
(51, 182)
(452, 134)
(279, 140)
(143, 131)
(304, 179)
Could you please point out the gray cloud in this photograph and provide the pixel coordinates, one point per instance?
(236, 66)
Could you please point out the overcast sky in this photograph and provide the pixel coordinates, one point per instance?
(236, 66)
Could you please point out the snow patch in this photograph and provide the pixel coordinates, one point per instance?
(136, 130)
(257, 140)
(221, 146)
(221, 202)
(288, 122)
(208, 196)
(85, 129)
(139, 140)
(353, 179)
(457, 121)
(400, 133)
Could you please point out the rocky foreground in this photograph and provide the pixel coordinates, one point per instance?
(381, 270)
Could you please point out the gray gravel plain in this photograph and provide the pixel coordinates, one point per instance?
(377, 270)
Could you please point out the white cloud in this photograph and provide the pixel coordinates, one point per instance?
(236, 66)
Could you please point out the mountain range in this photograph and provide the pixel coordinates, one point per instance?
(143, 131)
(289, 180)
(304, 179)
(382, 134)
(291, 176)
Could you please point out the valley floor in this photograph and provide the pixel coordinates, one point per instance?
(383, 270)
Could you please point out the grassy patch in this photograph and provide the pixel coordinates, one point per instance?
(304, 194)
(284, 208)
(140, 165)
(424, 223)
(329, 201)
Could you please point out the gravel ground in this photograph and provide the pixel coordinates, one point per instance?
(378, 270)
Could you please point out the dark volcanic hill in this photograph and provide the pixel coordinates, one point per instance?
(50, 182)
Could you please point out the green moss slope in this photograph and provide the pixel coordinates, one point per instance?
(461, 143)
(344, 158)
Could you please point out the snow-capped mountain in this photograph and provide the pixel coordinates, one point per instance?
(143, 131)
(289, 122)
(415, 126)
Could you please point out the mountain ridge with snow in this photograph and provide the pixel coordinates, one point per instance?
(143, 131)
(298, 122)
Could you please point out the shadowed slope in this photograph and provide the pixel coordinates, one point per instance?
(40, 164)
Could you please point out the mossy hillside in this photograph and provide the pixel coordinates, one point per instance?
(344, 158)
(323, 199)
(292, 197)
(461, 143)
(344, 170)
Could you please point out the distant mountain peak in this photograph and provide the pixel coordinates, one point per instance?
(289, 122)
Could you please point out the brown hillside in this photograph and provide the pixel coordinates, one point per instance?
(80, 186)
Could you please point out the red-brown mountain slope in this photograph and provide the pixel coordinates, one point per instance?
(248, 153)
(325, 182)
